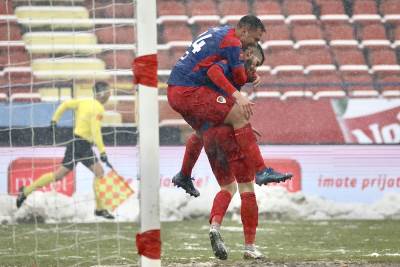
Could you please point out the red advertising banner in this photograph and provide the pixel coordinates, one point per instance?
(23, 171)
(287, 165)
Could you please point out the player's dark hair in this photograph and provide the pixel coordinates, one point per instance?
(252, 22)
(100, 87)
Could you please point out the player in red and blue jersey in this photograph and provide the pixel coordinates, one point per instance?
(189, 95)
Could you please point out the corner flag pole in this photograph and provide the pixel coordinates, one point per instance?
(148, 238)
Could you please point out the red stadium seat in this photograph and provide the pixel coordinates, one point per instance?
(390, 7)
(118, 59)
(348, 56)
(176, 31)
(389, 84)
(339, 31)
(315, 56)
(324, 81)
(170, 7)
(297, 7)
(115, 34)
(282, 56)
(382, 57)
(276, 31)
(13, 56)
(6, 7)
(373, 35)
(19, 78)
(358, 80)
(309, 31)
(330, 7)
(233, 7)
(365, 7)
(9, 31)
(165, 60)
(166, 112)
(267, 7)
(201, 7)
(120, 10)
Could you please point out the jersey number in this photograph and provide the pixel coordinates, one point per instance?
(197, 45)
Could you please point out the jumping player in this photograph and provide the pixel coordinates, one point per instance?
(87, 130)
(189, 97)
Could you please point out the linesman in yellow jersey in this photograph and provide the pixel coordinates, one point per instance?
(87, 130)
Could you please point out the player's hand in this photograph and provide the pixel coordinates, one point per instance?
(244, 103)
(103, 157)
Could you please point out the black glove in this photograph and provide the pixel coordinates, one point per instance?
(103, 157)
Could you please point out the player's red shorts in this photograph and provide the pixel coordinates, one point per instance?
(226, 160)
(201, 107)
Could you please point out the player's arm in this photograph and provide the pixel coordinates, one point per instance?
(69, 104)
(216, 74)
(231, 49)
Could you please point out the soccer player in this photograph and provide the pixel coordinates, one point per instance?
(87, 130)
(232, 170)
(188, 95)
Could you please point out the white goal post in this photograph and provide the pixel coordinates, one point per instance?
(148, 128)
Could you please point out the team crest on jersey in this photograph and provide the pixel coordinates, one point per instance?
(221, 99)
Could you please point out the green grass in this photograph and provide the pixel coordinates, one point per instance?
(187, 241)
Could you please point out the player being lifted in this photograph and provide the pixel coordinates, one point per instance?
(189, 97)
(232, 170)
(87, 130)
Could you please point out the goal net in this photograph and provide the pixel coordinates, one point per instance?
(52, 52)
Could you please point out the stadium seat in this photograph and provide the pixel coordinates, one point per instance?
(120, 10)
(61, 43)
(115, 34)
(276, 31)
(201, 8)
(176, 31)
(9, 30)
(170, 7)
(383, 62)
(56, 17)
(348, 56)
(330, 7)
(6, 7)
(69, 68)
(373, 35)
(358, 83)
(233, 8)
(365, 11)
(389, 84)
(321, 80)
(165, 60)
(166, 112)
(18, 77)
(339, 31)
(309, 31)
(390, 7)
(267, 7)
(202, 24)
(117, 59)
(277, 56)
(13, 56)
(297, 7)
(127, 110)
(315, 56)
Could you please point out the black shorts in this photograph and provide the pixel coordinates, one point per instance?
(79, 150)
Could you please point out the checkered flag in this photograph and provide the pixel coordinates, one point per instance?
(112, 190)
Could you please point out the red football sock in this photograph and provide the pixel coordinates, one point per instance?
(248, 144)
(192, 152)
(220, 205)
(249, 214)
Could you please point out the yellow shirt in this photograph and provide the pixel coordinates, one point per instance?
(88, 117)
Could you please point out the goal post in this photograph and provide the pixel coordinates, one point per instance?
(148, 128)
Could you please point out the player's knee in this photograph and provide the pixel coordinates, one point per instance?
(231, 188)
(246, 187)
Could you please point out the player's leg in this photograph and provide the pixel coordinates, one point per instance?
(68, 164)
(244, 175)
(183, 178)
(247, 142)
(222, 199)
